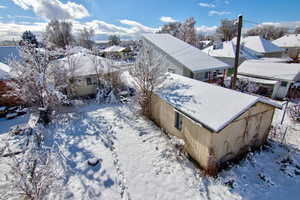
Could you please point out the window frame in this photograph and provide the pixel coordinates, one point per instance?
(89, 81)
(178, 121)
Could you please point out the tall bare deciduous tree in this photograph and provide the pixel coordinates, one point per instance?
(59, 33)
(114, 40)
(184, 31)
(268, 32)
(86, 38)
(227, 30)
(148, 72)
(297, 30)
(34, 78)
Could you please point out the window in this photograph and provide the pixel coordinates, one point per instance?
(283, 83)
(178, 121)
(206, 75)
(89, 81)
(171, 70)
(215, 74)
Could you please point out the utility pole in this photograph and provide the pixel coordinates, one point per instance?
(237, 52)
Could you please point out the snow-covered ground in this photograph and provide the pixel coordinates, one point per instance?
(137, 161)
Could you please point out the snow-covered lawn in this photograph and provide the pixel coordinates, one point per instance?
(138, 162)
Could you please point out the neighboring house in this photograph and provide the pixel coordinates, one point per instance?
(5, 80)
(186, 60)
(225, 51)
(217, 124)
(116, 52)
(291, 43)
(204, 43)
(9, 52)
(83, 70)
(115, 49)
(274, 77)
(261, 46)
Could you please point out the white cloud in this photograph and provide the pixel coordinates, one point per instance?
(206, 29)
(54, 9)
(214, 12)
(167, 19)
(138, 27)
(131, 29)
(2, 6)
(290, 25)
(207, 5)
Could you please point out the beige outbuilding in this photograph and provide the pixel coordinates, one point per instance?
(217, 124)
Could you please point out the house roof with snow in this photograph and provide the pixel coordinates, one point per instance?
(290, 40)
(114, 48)
(184, 54)
(270, 69)
(259, 44)
(205, 103)
(84, 64)
(9, 52)
(4, 71)
(227, 50)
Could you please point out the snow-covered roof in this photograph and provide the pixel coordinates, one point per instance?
(212, 106)
(227, 50)
(263, 68)
(9, 52)
(290, 40)
(4, 71)
(258, 80)
(259, 44)
(84, 64)
(114, 48)
(184, 53)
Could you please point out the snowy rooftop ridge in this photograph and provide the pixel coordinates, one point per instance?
(114, 48)
(290, 40)
(4, 71)
(84, 65)
(184, 53)
(271, 69)
(259, 44)
(207, 104)
(227, 50)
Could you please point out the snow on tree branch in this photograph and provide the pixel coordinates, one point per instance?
(148, 72)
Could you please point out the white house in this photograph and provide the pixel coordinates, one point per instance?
(225, 51)
(186, 60)
(114, 48)
(84, 68)
(261, 46)
(291, 43)
(274, 76)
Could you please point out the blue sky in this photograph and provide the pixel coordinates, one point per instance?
(128, 18)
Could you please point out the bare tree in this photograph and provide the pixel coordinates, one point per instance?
(171, 28)
(268, 32)
(35, 174)
(59, 33)
(187, 31)
(297, 30)
(184, 31)
(85, 38)
(114, 40)
(32, 80)
(227, 30)
(148, 73)
(63, 72)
